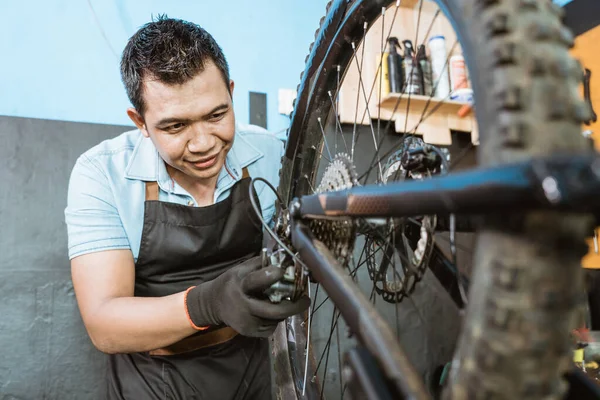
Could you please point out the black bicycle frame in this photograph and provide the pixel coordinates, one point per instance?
(565, 183)
(360, 316)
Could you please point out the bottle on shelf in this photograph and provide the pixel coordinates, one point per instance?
(383, 79)
(425, 70)
(439, 67)
(458, 72)
(394, 64)
(412, 76)
(459, 81)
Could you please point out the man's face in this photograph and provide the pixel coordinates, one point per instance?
(191, 125)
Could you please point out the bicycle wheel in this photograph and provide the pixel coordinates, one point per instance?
(526, 285)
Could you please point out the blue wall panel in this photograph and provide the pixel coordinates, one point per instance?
(60, 58)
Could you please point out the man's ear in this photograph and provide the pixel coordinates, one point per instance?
(231, 86)
(137, 119)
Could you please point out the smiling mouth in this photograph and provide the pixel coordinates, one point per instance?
(206, 162)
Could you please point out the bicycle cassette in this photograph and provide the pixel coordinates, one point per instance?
(338, 235)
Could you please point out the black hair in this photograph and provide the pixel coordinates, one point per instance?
(170, 50)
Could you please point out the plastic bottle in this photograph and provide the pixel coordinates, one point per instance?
(412, 76)
(439, 67)
(425, 67)
(458, 72)
(394, 63)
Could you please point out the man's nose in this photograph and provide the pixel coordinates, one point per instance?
(202, 140)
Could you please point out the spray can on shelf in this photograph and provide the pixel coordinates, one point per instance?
(439, 67)
(412, 76)
(425, 67)
(383, 79)
(458, 72)
(394, 64)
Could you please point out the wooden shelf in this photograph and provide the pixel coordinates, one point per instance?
(418, 103)
(409, 3)
(436, 127)
(361, 105)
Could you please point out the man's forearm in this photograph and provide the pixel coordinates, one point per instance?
(137, 324)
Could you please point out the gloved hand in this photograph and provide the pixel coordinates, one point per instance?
(236, 299)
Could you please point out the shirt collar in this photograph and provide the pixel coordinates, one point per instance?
(147, 165)
(144, 162)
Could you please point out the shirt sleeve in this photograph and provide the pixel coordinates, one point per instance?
(93, 222)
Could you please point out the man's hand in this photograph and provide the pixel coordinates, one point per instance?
(236, 299)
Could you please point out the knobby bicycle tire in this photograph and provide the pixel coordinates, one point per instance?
(527, 284)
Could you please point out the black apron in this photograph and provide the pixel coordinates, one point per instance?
(183, 246)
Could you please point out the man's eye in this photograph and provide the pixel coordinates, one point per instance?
(175, 127)
(217, 116)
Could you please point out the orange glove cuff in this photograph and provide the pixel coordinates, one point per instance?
(187, 314)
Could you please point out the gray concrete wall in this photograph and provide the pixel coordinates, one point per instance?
(46, 353)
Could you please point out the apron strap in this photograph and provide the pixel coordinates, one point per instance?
(151, 191)
(245, 173)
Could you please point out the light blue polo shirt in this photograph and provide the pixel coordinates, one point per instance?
(105, 207)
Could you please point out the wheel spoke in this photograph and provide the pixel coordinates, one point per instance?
(372, 295)
(414, 63)
(338, 125)
(458, 246)
(307, 348)
(409, 252)
(321, 155)
(370, 255)
(396, 273)
(354, 135)
(381, 45)
(339, 344)
(325, 353)
(461, 290)
(366, 104)
(324, 139)
(352, 274)
(336, 106)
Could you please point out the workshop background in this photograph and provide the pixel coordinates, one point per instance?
(60, 95)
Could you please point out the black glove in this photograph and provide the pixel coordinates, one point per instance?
(236, 299)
